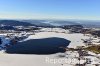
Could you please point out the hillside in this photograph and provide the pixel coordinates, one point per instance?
(51, 22)
(15, 23)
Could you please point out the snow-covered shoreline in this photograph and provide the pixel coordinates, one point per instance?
(76, 39)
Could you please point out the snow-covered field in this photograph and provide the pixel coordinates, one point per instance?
(48, 60)
(23, 60)
(39, 60)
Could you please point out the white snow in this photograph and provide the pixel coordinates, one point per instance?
(94, 60)
(27, 60)
(91, 53)
(4, 41)
(58, 30)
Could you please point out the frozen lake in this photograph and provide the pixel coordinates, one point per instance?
(39, 46)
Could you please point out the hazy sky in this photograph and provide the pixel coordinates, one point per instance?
(50, 9)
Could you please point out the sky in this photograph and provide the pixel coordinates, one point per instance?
(50, 9)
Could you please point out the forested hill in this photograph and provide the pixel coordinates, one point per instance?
(15, 23)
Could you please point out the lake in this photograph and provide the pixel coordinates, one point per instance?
(39, 46)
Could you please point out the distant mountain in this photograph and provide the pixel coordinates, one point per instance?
(51, 22)
(7, 28)
(85, 23)
(38, 22)
(90, 23)
(15, 23)
(62, 22)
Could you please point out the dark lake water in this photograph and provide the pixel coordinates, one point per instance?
(39, 46)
